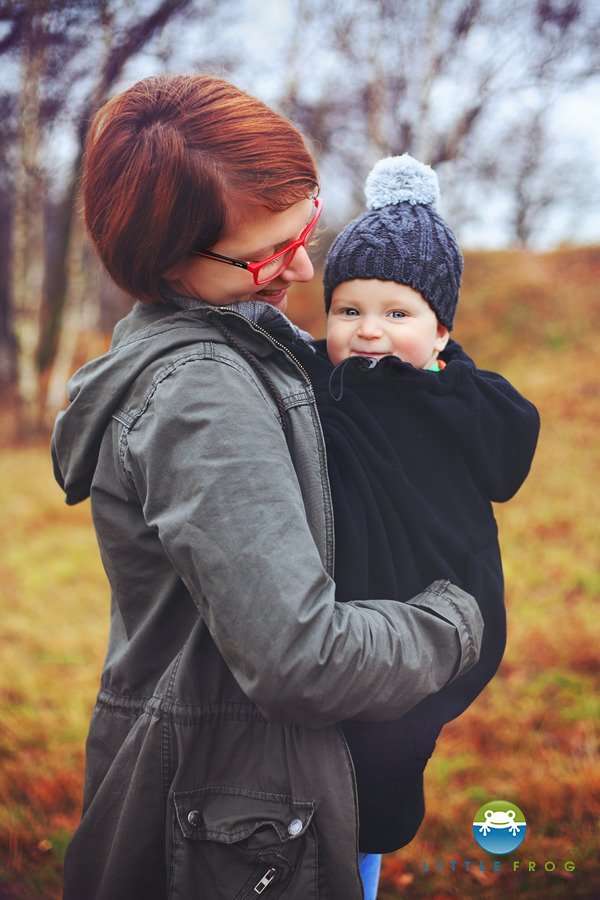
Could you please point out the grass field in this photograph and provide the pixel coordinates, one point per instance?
(531, 737)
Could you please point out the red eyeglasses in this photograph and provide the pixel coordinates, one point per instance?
(265, 270)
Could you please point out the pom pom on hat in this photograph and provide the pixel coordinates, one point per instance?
(401, 179)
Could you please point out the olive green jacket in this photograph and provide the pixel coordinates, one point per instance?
(215, 768)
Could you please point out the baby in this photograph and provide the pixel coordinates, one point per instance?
(419, 442)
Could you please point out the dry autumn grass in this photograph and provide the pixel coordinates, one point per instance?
(531, 737)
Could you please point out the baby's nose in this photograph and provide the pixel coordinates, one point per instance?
(369, 326)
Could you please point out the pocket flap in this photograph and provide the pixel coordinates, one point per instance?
(229, 814)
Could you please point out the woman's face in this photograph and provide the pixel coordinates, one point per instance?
(254, 234)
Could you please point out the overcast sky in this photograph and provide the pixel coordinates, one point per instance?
(262, 70)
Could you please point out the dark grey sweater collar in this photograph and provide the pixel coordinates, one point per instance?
(257, 311)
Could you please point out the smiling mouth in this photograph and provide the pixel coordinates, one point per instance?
(272, 295)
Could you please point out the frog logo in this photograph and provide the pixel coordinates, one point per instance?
(499, 827)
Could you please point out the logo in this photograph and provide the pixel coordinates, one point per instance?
(499, 827)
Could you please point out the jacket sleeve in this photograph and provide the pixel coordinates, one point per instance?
(497, 427)
(212, 469)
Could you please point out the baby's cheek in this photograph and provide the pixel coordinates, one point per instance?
(337, 345)
(336, 352)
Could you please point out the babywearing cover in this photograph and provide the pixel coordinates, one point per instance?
(414, 459)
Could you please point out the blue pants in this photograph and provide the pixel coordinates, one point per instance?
(369, 865)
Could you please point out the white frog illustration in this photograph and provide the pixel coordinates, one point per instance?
(498, 819)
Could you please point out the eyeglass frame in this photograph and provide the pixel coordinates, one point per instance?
(255, 266)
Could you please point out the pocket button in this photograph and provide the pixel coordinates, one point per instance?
(194, 818)
(295, 827)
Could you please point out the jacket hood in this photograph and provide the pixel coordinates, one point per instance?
(100, 387)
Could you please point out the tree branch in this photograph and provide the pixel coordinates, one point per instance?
(134, 40)
(13, 38)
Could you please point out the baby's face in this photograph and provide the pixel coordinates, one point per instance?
(376, 318)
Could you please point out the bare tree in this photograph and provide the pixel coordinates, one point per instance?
(119, 49)
(54, 41)
(428, 77)
(28, 223)
(8, 344)
(533, 185)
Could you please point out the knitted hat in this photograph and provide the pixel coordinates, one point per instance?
(401, 238)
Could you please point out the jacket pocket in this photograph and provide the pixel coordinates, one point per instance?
(230, 843)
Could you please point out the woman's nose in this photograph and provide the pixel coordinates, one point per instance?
(300, 267)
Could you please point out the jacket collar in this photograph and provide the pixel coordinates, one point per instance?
(257, 311)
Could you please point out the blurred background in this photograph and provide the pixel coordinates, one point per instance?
(502, 98)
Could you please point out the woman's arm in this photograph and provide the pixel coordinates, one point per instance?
(214, 474)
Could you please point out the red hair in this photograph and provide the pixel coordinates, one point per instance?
(164, 163)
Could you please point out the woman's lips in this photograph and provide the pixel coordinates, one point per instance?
(275, 298)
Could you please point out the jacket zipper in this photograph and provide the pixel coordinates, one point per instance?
(265, 882)
(271, 873)
(230, 312)
(302, 370)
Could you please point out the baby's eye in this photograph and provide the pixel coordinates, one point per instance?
(397, 314)
(348, 311)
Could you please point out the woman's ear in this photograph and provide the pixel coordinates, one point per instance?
(175, 276)
(173, 272)
(442, 338)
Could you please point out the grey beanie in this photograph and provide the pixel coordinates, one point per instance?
(401, 238)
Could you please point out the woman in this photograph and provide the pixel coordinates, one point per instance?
(215, 767)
